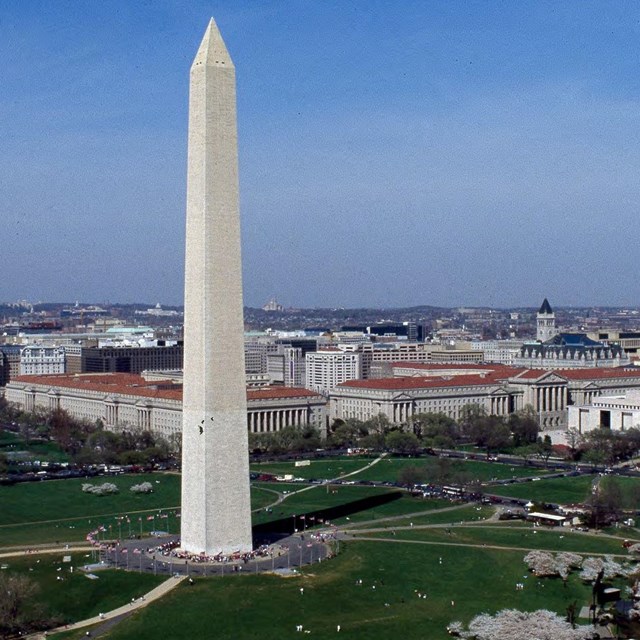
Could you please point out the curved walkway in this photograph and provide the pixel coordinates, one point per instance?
(125, 610)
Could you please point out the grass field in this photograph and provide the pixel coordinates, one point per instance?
(270, 607)
(322, 496)
(568, 490)
(17, 448)
(37, 501)
(71, 596)
(504, 536)
(440, 514)
(388, 469)
(58, 511)
(414, 560)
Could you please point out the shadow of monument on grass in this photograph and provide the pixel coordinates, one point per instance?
(269, 532)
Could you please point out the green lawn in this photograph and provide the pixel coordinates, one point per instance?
(441, 513)
(75, 597)
(269, 607)
(58, 511)
(321, 497)
(8, 438)
(556, 539)
(317, 497)
(53, 499)
(17, 448)
(388, 469)
(567, 490)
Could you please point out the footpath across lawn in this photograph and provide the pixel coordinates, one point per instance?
(373, 590)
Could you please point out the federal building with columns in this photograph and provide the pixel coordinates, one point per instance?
(499, 390)
(123, 401)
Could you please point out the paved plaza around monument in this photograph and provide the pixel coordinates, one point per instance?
(158, 555)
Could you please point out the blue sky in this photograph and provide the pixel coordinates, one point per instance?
(391, 153)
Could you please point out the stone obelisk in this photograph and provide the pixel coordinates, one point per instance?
(216, 507)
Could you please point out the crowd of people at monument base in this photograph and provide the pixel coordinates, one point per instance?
(171, 549)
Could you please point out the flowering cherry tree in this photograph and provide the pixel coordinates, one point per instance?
(105, 489)
(143, 487)
(565, 561)
(510, 624)
(591, 567)
(543, 563)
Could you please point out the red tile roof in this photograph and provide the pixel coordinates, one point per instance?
(424, 383)
(134, 385)
(109, 383)
(267, 393)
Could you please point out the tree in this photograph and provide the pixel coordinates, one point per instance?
(412, 475)
(20, 612)
(377, 424)
(345, 435)
(406, 443)
(544, 449)
(498, 436)
(373, 441)
(443, 471)
(606, 502)
(524, 427)
(595, 457)
(527, 452)
(510, 624)
(470, 414)
(486, 431)
(543, 563)
(574, 441)
(433, 425)
(68, 433)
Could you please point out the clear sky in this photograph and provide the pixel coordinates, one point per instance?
(391, 153)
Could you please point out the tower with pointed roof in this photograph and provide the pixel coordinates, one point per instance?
(546, 322)
(216, 507)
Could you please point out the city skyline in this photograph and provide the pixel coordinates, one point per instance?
(445, 155)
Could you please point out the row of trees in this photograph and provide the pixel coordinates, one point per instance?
(439, 431)
(518, 434)
(86, 442)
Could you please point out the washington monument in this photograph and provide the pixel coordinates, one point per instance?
(216, 508)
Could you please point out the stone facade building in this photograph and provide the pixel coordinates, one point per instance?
(329, 367)
(614, 412)
(570, 351)
(500, 390)
(37, 360)
(130, 401)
